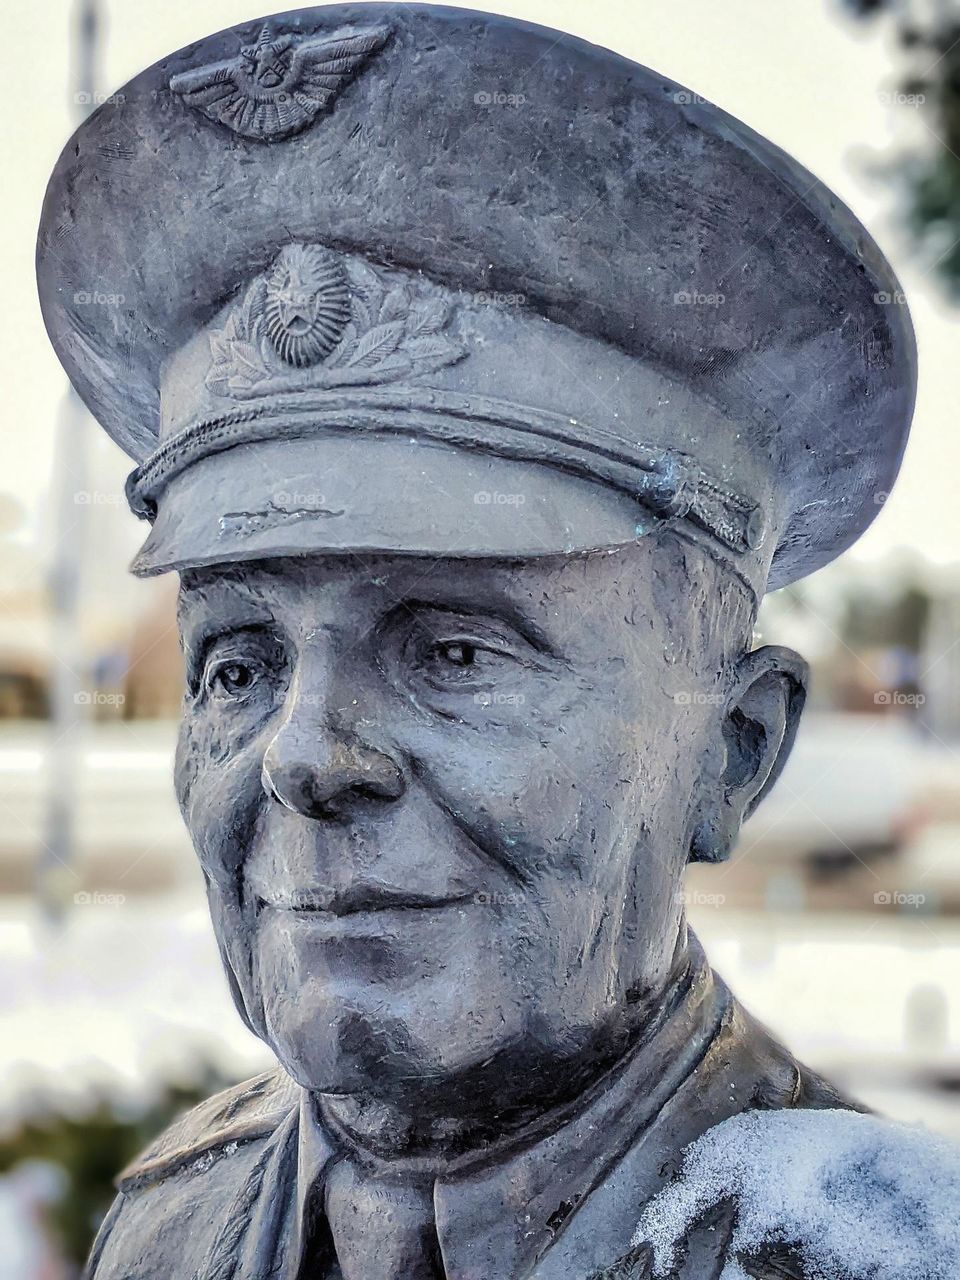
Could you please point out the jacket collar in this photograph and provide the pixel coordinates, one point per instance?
(501, 1213)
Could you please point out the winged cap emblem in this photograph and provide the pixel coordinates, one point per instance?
(278, 86)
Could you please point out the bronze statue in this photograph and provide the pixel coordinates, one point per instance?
(479, 383)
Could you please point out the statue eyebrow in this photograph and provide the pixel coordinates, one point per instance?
(232, 610)
(227, 588)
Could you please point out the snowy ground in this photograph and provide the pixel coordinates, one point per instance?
(870, 1000)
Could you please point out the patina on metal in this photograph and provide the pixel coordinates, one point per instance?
(479, 382)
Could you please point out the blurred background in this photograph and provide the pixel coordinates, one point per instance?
(838, 920)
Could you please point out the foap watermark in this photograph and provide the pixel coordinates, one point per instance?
(86, 99)
(890, 298)
(285, 696)
(496, 898)
(484, 498)
(97, 298)
(293, 499)
(897, 698)
(695, 898)
(97, 698)
(698, 698)
(499, 699)
(696, 298)
(684, 98)
(897, 98)
(894, 898)
(94, 898)
(497, 98)
(491, 298)
(97, 498)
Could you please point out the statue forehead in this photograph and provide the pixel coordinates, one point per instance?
(635, 567)
(621, 601)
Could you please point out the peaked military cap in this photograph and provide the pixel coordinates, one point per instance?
(412, 278)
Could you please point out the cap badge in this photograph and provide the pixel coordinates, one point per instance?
(276, 87)
(316, 320)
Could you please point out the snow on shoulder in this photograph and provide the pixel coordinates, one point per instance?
(857, 1198)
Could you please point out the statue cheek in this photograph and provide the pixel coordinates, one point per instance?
(234, 940)
(221, 797)
(187, 765)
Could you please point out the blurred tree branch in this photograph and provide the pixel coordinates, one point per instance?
(928, 33)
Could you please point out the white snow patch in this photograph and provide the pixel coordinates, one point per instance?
(857, 1196)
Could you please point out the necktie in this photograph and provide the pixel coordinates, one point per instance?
(382, 1228)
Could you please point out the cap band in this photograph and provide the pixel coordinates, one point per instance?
(666, 481)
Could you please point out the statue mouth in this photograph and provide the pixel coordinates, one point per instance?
(356, 900)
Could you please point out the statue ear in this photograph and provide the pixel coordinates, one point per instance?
(759, 726)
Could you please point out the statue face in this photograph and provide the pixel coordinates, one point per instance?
(443, 808)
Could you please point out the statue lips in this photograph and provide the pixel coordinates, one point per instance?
(360, 909)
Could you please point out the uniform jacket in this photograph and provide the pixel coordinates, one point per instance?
(235, 1189)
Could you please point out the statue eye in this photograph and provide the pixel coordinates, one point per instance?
(454, 662)
(237, 665)
(457, 653)
(452, 654)
(231, 678)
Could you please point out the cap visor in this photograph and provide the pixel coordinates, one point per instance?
(309, 496)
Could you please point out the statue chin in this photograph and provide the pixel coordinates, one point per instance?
(355, 1017)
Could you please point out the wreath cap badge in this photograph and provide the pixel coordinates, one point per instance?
(316, 320)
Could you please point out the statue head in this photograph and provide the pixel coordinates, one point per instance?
(443, 807)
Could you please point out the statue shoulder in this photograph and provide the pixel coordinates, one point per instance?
(811, 1192)
(186, 1198)
(239, 1115)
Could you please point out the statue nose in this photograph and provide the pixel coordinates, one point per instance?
(327, 783)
